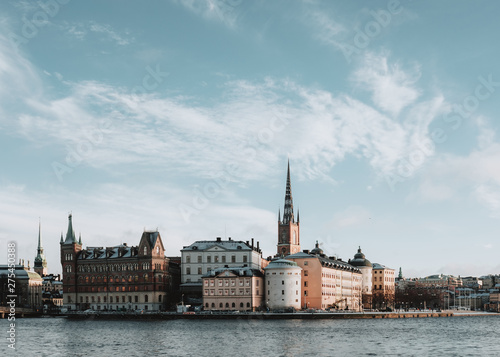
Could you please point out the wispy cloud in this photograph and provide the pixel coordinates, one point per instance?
(106, 32)
(391, 87)
(224, 11)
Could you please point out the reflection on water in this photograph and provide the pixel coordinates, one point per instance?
(457, 336)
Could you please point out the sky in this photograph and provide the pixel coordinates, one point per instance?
(181, 116)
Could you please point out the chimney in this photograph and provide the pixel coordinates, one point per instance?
(229, 238)
(258, 245)
(252, 243)
(219, 239)
(248, 243)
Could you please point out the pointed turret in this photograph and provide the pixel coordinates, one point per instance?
(62, 240)
(288, 211)
(279, 215)
(70, 235)
(80, 239)
(298, 216)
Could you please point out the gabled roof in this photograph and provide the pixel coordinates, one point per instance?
(233, 271)
(204, 245)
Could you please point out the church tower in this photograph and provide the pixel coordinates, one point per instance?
(70, 248)
(40, 266)
(288, 229)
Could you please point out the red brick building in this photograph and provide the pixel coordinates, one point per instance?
(121, 277)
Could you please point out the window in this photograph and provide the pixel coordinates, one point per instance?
(233, 305)
(188, 271)
(233, 260)
(199, 270)
(209, 259)
(146, 298)
(145, 250)
(245, 258)
(241, 304)
(282, 282)
(227, 305)
(199, 258)
(306, 262)
(224, 260)
(282, 292)
(157, 250)
(188, 259)
(216, 259)
(305, 284)
(306, 273)
(220, 305)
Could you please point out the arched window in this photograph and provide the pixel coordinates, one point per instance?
(146, 298)
(248, 304)
(145, 250)
(233, 305)
(206, 305)
(157, 250)
(213, 305)
(227, 305)
(241, 304)
(220, 305)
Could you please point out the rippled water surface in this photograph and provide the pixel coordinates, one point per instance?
(457, 336)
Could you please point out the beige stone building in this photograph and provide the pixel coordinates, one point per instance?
(233, 288)
(328, 283)
(383, 287)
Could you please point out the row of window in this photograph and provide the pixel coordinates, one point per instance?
(118, 288)
(231, 292)
(199, 259)
(221, 305)
(118, 279)
(93, 268)
(116, 299)
(229, 282)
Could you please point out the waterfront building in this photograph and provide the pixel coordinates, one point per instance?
(233, 288)
(40, 266)
(201, 257)
(366, 268)
(52, 293)
(283, 285)
(27, 285)
(288, 229)
(383, 286)
(121, 277)
(327, 282)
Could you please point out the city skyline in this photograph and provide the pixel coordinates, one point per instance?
(181, 116)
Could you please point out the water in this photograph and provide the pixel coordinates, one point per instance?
(457, 336)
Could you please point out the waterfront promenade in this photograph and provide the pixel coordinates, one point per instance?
(271, 315)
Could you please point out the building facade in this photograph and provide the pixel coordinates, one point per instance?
(383, 287)
(28, 287)
(231, 289)
(283, 285)
(115, 278)
(328, 283)
(366, 268)
(201, 257)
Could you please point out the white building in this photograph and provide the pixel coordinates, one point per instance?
(283, 284)
(366, 268)
(201, 257)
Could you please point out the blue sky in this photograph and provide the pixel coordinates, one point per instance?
(182, 115)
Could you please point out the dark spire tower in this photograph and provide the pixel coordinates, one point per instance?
(40, 266)
(70, 248)
(288, 229)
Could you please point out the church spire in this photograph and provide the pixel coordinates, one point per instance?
(288, 211)
(40, 265)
